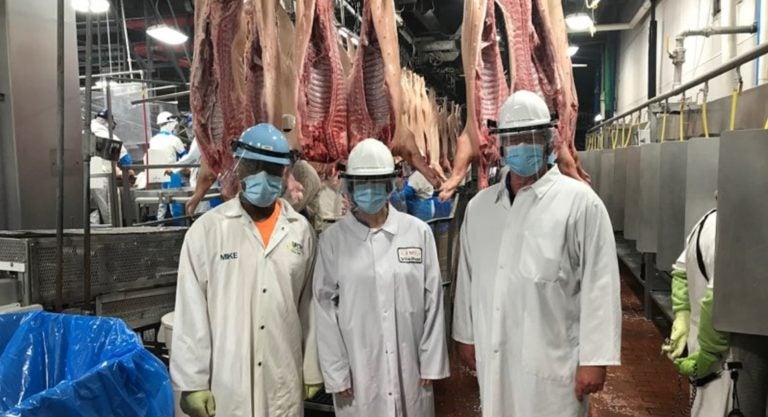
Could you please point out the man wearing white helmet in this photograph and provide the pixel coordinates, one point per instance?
(165, 142)
(379, 299)
(537, 307)
(243, 331)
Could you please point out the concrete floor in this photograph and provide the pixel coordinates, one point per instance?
(646, 385)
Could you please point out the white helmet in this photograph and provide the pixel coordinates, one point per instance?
(370, 158)
(524, 110)
(166, 117)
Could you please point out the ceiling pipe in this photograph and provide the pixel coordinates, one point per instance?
(678, 55)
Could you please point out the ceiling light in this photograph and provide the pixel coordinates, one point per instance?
(579, 21)
(579, 65)
(92, 6)
(166, 34)
(572, 49)
(599, 118)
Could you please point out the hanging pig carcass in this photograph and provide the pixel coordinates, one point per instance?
(321, 106)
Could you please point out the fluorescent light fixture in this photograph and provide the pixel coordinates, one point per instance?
(579, 21)
(167, 34)
(572, 49)
(90, 6)
(579, 65)
(599, 118)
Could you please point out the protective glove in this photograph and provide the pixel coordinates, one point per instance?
(698, 364)
(679, 336)
(198, 403)
(712, 344)
(311, 390)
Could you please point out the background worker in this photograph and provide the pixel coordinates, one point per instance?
(100, 167)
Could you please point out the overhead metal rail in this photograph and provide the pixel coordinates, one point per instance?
(736, 62)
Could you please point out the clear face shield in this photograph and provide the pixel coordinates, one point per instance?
(369, 194)
(526, 153)
(261, 182)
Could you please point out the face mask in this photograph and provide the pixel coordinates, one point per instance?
(524, 159)
(262, 189)
(370, 198)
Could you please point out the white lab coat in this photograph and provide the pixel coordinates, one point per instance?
(190, 158)
(243, 325)
(99, 166)
(713, 399)
(537, 294)
(379, 309)
(164, 140)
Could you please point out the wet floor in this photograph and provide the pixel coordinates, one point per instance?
(646, 385)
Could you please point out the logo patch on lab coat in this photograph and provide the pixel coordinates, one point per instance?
(228, 256)
(296, 248)
(409, 255)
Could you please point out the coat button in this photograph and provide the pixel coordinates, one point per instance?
(264, 290)
(390, 394)
(262, 327)
(259, 363)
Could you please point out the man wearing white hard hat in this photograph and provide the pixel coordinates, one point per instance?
(172, 148)
(378, 299)
(537, 307)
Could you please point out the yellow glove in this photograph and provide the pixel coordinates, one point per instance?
(679, 336)
(311, 390)
(198, 403)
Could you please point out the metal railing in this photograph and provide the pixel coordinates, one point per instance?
(734, 63)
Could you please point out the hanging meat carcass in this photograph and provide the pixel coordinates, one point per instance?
(537, 43)
(486, 92)
(321, 106)
(374, 96)
(214, 82)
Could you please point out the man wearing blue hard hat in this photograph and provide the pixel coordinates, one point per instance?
(244, 340)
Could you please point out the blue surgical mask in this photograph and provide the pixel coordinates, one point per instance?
(262, 189)
(524, 159)
(370, 197)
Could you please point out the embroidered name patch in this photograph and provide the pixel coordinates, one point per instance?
(409, 255)
(228, 256)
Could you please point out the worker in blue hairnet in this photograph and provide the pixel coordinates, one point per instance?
(244, 338)
(537, 308)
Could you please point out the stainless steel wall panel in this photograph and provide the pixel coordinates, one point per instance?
(619, 188)
(649, 197)
(28, 116)
(701, 179)
(671, 215)
(606, 182)
(741, 270)
(632, 194)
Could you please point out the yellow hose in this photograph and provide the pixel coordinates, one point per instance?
(682, 120)
(766, 124)
(629, 135)
(623, 128)
(663, 127)
(614, 138)
(734, 104)
(704, 116)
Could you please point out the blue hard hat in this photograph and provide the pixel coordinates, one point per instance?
(263, 142)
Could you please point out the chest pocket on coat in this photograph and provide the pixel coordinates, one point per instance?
(540, 256)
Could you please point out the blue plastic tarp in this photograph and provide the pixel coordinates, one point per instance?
(66, 365)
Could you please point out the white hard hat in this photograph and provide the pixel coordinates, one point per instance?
(370, 158)
(524, 110)
(165, 117)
